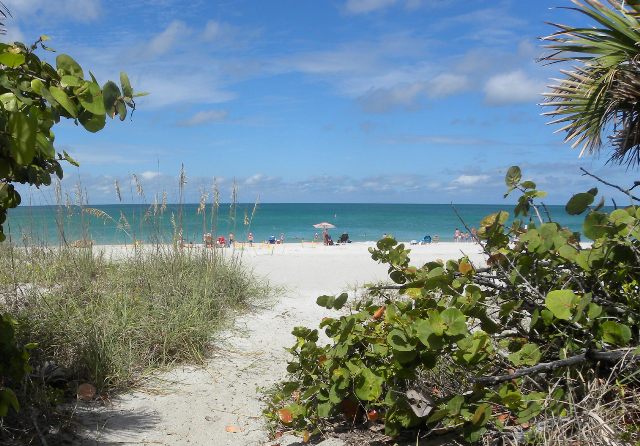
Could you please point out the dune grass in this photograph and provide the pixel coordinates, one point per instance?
(110, 322)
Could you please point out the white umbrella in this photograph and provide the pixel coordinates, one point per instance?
(324, 225)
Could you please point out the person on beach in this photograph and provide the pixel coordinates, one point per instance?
(250, 239)
(231, 239)
(315, 237)
(281, 239)
(325, 236)
(457, 235)
(474, 233)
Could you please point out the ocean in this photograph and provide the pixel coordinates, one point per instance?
(124, 223)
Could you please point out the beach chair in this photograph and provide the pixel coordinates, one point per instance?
(272, 240)
(426, 240)
(344, 238)
(436, 239)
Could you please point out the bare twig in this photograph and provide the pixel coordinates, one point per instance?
(606, 356)
(615, 186)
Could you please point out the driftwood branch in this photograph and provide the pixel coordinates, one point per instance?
(605, 356)
(627, 192)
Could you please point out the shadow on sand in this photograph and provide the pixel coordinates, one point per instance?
(105, 426)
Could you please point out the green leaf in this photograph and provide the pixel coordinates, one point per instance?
(513, 177)
(127, 91)
(23, 128)
(70, 160)
(455, 404)
(121, 110)
(615, 333)
(561, 303)
(579, 203)
(91, 122)
(340, 301)
(529, 354)
(61, 97)
(68, 80)
(528, 184)
(91, 98)
(325, 301)
(8, 399)
(12, 60)
(110, 95)
(594, 225)
(398, 341)
(368, 385)
(66, 65)
(455, 321)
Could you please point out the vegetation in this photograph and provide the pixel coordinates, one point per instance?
(110, 322)
(600, 95)
(476, 351)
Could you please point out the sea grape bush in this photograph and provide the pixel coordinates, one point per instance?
(13, 366)
(545, 312)
(34, 96)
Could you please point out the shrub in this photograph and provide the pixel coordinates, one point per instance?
(545, 317)
(110, 322)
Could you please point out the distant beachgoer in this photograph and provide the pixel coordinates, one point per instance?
(282, 238)
(384, 235)
(457, 235)
(231, 238)
(315, 237)
(474, 233)
(325, 237)
(250, 238)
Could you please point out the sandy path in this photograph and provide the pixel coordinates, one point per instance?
(197, 404)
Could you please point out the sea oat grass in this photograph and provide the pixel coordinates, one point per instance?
(112, 321)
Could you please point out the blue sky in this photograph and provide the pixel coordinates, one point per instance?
(417, 101)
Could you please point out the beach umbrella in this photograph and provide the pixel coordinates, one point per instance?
(324, 225)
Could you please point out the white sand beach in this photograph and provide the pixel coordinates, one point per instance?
(197, 405)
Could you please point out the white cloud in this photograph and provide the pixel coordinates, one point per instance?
(149, 175)
(446, 84)
(512, 88)
(408, 95)
(204, 117)
(366, 6)
(165, 40)
(470, 180)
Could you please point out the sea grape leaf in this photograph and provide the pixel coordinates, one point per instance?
(513, 176)
(23, 129)
(66, 65)
(594, 225)
(615, 333)
(368, 385)
(12, 60)
(529, 354)
(561, 303)
(579, 203)
(340, 301)
(61, 98)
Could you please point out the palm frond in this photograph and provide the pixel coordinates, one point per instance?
(598, 101)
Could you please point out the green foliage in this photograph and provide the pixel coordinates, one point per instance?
(541, 299)
(35, 96)
(110, 322)
(596, 101)
(14, 365)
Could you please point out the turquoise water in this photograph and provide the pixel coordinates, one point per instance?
(363, 222)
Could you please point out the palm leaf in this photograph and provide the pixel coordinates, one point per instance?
(598, 101)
